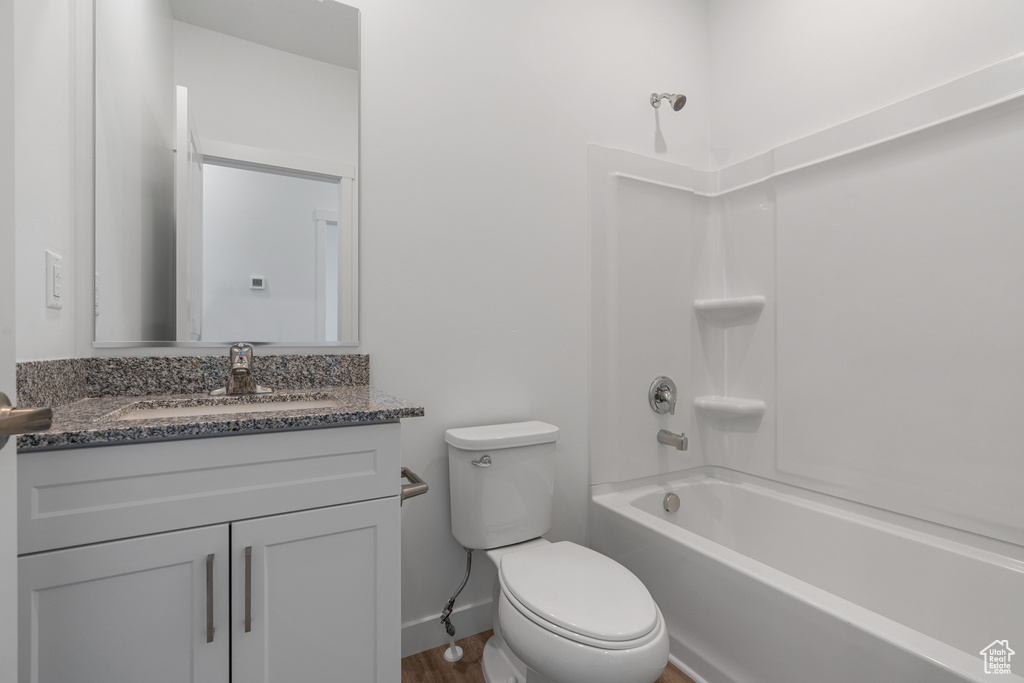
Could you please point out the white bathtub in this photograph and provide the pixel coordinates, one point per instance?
(761, 582)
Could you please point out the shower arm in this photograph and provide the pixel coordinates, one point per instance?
(677, 101)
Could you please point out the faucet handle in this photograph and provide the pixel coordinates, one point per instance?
(241, 354)
(662, 395)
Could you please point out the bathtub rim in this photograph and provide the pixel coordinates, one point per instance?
(619, 497)
(905, 525)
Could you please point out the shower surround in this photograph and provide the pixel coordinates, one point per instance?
(859, 323)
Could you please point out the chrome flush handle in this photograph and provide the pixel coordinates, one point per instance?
(483, 461)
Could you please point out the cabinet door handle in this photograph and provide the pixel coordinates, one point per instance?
(248, 588)
(209, 598)
(417, 488)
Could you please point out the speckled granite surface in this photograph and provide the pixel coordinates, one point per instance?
(56, 382)
(51, 382)
(93, 397)
(196, 374)
(105, 421)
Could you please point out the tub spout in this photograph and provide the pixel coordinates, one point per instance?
(677, 441)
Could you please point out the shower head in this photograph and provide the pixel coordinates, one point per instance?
(677, 101)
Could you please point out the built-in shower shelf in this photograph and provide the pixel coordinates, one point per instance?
(728, 407)
(729, 307)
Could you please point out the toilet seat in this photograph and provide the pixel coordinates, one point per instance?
(579, 594)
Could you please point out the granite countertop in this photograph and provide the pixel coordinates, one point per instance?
(106, 421)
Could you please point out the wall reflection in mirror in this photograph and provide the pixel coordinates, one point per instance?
(225, 159)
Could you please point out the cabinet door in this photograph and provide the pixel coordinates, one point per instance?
(132, 611)
(316, 596)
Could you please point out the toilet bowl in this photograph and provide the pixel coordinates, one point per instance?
(572, 615)
(563, 613)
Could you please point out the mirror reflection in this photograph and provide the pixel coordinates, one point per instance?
(226, 149)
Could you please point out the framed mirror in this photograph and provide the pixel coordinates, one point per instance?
(226, 172)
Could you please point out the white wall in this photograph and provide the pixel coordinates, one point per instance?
(648, 230)
(888, 352)
(900, 325)
(474, 269)
(781, 70)
(261, 224)
(46, 178)
(135, 169)
(248, 94)
(474, 226)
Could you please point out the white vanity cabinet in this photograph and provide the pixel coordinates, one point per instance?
(312, 584)
(251, 558)
(132, 610)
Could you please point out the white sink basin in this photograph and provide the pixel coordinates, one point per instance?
(146, 410)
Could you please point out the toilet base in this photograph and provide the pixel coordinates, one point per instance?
(500, 665)
(497, 666)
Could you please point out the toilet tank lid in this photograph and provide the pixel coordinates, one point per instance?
(492, 437)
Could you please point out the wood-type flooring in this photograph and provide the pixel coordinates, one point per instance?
(431, 667)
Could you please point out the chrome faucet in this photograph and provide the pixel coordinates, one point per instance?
(240, 379)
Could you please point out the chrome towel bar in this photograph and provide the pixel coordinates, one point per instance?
(416, 487)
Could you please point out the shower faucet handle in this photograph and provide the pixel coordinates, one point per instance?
(662, 395)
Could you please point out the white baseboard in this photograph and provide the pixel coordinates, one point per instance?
(679, 664)
(428, 632)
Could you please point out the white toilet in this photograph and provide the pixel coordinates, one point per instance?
(562, 613)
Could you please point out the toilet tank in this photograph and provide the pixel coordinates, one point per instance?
(502, 481)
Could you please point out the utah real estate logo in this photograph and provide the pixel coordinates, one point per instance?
(997, 657)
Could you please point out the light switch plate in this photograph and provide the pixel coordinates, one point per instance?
(54, 279)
